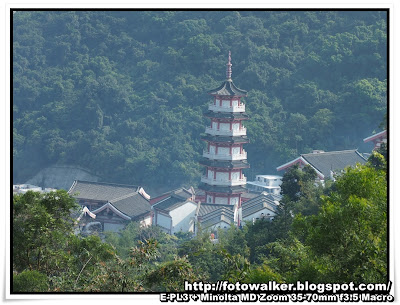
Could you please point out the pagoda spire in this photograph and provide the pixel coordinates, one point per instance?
(229, 68)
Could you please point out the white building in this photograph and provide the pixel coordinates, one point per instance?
(262, 207)
(212, 217)
(266, 183)
(23, 188)
(175, 214)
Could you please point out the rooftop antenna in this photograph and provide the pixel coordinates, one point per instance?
(229, 68)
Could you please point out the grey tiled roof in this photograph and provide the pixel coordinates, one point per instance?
(183, 193)
(100, 191)
(211, 214)
(133, 205)
(257, 204)
(213, 221)
(180, 192)
(228, 88)
(274, 197)
(250, 194)
(171, 203)
(199, 192)
(208, 208)
(334, 160)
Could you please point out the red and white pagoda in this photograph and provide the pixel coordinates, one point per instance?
(224, 159)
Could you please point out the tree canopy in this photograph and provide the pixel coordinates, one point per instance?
(121, 93)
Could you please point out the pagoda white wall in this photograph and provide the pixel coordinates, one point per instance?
(212, 149)
(235, 176)
(226, 103)
(224, 126)
(210, 174)
(235, 150)
(222, 176)
(235, 126)
(221, 200)
(223, 150)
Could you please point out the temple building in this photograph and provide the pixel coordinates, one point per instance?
(326, 164)
(377, 139)
(111, 205)
(224, 159)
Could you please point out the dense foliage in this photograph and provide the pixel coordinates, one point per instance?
(121, 93)
(342, 238)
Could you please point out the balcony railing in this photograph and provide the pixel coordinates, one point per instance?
(242, 156)
(219, 132)
(240, 108)
(212, 181)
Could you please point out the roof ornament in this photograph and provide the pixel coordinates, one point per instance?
(229, 68)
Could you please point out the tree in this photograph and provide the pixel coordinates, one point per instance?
(45, 249)
(89, 87)
(31, 281)
(205, 257)
(378, 158)
(171, 276)
(347, 240)
(124, 275)
(295, 179)
(41, 226)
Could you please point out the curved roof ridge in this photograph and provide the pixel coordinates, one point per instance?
(107, 183)
(228, 88)
(114, 209)
(331, 152)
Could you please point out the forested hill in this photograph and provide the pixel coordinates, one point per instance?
(122, 93)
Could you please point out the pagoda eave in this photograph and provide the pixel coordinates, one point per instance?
(228, 89)
(224, 164)
(223, 189)
(226, 139)
(226, 115)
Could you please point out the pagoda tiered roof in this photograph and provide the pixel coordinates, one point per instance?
(237, 189)
(224, 163)
(226, 115)
(228, 88)
(225, 139)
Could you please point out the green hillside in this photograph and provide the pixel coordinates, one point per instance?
(122, 93)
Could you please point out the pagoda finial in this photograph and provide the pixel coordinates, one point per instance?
(229, 67)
